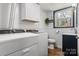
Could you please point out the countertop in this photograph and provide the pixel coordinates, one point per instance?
(7, 37)
(77, 35)
(69, 34)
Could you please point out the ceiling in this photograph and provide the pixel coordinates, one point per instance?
(54, 6)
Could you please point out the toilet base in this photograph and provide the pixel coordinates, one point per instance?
(51, 46)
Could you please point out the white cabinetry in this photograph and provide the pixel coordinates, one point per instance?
(43, 44)
(30, 12)
(30, 51)
(27, 46)
(14, 46)
(8, 13)
(16, 16)
(4, 15)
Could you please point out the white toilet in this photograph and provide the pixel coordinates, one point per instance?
(51, 43)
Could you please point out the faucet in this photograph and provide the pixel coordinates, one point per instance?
(13, 30)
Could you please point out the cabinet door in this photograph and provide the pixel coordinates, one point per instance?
(27, 11)
(4, 15)
(22, 11)
(36, 12)
(32, 51)
(43, 44)
(11, 46)
(30, 11)
(29, 8)
(16, 19)
(70, 45)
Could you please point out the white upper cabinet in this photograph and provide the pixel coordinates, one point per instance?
(9, 16)
(30, 12)
(4, 15)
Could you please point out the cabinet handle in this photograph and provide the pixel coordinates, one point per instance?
(77, 37)
(26, 50)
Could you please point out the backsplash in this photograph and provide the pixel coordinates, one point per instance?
(28, 26)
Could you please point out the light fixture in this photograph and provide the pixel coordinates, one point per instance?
(74, 4)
